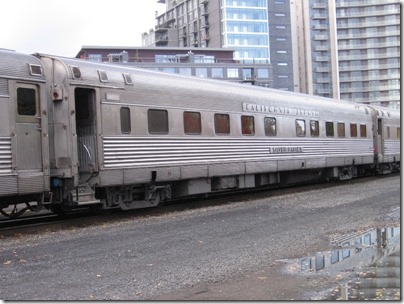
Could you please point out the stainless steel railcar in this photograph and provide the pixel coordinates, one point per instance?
(116, 136)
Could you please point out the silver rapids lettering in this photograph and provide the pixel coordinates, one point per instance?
(279, 150)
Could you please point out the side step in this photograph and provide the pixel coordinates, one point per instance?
(84, 195)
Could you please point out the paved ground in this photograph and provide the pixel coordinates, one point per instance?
(234, 251)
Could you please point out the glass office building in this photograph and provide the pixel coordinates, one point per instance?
(245, 29)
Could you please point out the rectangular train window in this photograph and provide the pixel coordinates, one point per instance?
(363, 131)
(314, 128)
(398, 133)
(300, 127)
(26, 101)
(157, 121)
(125, 120)
(247, 125)
(222, 124)
(341, 129)
(192, 123)
(354, 130)
(270, 126)
(329, 128)
(388, 132)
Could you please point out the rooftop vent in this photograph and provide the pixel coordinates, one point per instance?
(35, 70)
(76, 72)
(103, 76)
(128, 78)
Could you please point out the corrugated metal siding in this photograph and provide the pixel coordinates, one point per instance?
(391, 147)
(8, 185)
(30, 183)
(3, 87)
(121, 152)
(6, 159)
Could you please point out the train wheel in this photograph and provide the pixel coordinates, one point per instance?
(60, 209)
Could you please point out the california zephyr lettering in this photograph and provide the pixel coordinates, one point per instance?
(251, 107)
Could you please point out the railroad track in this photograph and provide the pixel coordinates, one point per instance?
(45, 220)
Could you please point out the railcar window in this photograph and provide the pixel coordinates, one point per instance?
(157, 121)
(125, 120)
(388, 132)
(314, 128)
(192, 123)
(26, 101)
(341, 129)
(329, 128)
(270, 126)
(247, 125)
(354, 130)
(300, 127)
(222, 124)
(398, 133)
(363, 130)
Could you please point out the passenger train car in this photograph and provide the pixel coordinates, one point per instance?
(77, 133)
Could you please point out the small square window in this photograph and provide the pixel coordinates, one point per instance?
(247, 125)
(363, 131)
(158, 121)
(192, 123)
(222, 124)
(341, 129)
(300, 128)
(270, 126)
(26, 101)
(329, 129)
(354, 130)
(125, 120)
(314, 128)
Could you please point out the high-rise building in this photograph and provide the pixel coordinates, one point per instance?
(256, 33)
(344, 49)
(349, 49)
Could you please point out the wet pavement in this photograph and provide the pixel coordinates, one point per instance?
(374, 258)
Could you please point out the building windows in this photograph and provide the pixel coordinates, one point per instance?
(185, 71)
(201, 72)
(232, 73)
(95, 57)
(217, 73)
(262, 73)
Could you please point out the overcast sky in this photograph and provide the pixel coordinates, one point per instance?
(62, 27)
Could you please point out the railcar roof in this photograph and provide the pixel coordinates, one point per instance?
(20, 66)
(218, 89)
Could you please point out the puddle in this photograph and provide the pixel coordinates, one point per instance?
(373, 257)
